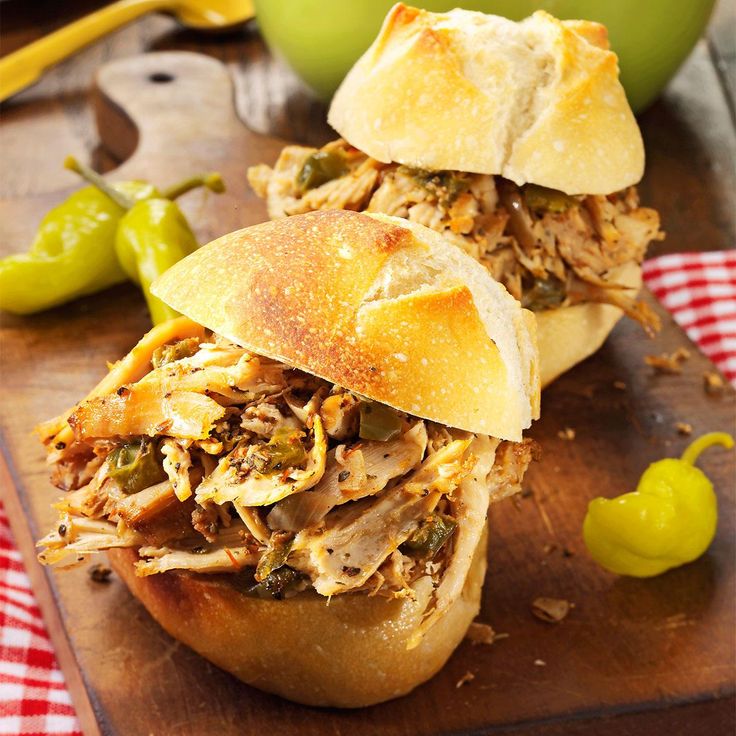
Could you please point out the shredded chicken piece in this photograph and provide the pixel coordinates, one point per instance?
(469, 506)
(208, 518)
(75, 468)
(176, 399)
(668, 362)
(381, 461)
(480, 633)
(79, 536)
(253, 521)
(155, 512)
(356, 540)
(340, 413)
(510, 464)
(177, 462)
(160, 559)
(581, 292)
(235, 480)
(352, 475)
(147, 412)
(265, 418)
(713, 384)
(346, 193)
(58, 435)
(551, 610)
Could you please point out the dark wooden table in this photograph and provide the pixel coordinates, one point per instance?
(690, 135)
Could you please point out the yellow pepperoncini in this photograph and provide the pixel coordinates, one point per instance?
(668, 521)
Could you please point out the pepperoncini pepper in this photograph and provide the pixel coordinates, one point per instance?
(73, 253)
(668, 521)
(152, 233)
(151, 238)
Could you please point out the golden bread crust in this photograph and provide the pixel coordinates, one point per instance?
(365, 303)
(536, 101)
(347, 654)
(568, 335)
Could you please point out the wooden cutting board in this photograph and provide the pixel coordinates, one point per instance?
(633, 657)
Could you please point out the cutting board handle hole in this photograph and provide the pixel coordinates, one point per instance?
(161, 78)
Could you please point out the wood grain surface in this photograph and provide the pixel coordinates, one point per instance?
(634, 657)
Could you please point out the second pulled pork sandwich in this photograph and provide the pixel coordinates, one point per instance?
(514, 140)
(294, 477)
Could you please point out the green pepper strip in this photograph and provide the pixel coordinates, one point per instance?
(135, 466)
(378, 422)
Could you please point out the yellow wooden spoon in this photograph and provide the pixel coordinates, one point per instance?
(25, 66)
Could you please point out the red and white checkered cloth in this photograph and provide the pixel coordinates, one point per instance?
(699, 289)
(34, 700)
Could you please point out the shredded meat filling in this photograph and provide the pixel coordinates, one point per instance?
(283, 478)
(549, 249)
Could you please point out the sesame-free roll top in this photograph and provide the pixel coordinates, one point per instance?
(536, 101)
(379, 305)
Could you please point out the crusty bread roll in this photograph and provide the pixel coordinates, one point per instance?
(568, 335)
(384, 307)
(350, 653)
(537, 101)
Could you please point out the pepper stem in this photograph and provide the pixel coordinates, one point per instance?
(91, 176)
(694, 449)
(212, 181)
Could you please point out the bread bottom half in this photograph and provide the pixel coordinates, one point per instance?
(569, 335)
(348, 654)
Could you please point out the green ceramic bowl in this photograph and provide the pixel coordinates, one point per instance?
(322, 39)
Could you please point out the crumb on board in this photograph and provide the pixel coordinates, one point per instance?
(544, 515)
(670, 363)
(540, 663)
(100, 573)
(677, 621)
(551, 610)
(713, 383)
(480, 633)
(465, 679)
(684, 428)
(566, 434)
(619, 385)
(549, 548)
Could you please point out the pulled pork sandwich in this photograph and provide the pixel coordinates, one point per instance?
(514, 140)
(294, 477)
